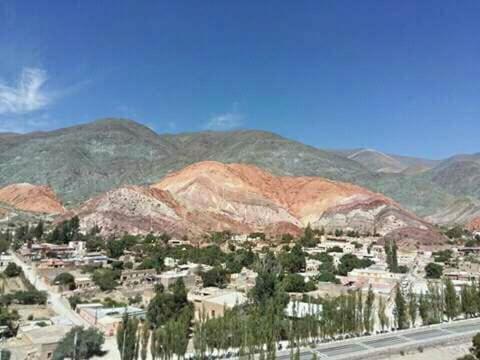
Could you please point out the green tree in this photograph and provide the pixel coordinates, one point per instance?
(115, 248)
(145, 333)
(468, 300)
(168, 305)
(214, 277)
(348, 262)
(368, 311)
(105, 279)
(66, 279)
(12, 270)
(392, 257)
(412, 306)
(79, 344)
(400, 310)
(308, 239)
(293, 261)
(424, 309)
(451, 301)
(38, 231)
(296, 283)
(127, 338)
(382, 313)
(433, 271)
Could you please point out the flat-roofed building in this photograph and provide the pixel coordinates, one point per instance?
(244, 280)
(168, 278)
(37, 343)
(137, 277)
(107, 319)
(213, 302)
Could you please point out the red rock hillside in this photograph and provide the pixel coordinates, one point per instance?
(474, 225)
(31, 198)
(211, 196)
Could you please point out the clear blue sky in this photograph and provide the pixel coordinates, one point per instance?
(398, 76)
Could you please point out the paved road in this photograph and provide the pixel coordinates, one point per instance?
(368, 346)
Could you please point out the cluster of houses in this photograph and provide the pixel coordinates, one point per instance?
(53, 259)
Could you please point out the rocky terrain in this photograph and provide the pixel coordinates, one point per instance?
(379, 162)
(212, 196)
(83, 161)
(31, 198)
(474, 224)
(462, 211)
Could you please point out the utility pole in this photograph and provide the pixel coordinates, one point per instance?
(75, 345)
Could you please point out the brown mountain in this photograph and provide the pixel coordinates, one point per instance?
(474, 224)
(31, 198)
(212, 196)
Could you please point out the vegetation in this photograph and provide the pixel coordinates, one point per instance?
(13, 270)
(474, 349)
(433, 271)
(215, 277)
(168, 305)
(79, 344)
(127, 343)
(348, 262)
(294, 260)
(392, 257)
(443, 256)
(105, 279)
(65, 279)
(66, 231)
(296, 283)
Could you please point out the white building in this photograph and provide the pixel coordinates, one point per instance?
(300, 309)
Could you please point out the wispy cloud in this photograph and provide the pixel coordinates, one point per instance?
(27, 95)
(226, 121)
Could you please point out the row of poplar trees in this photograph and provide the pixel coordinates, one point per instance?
(259, 326)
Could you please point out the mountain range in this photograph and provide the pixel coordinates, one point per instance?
(212, 196)
(82, 162)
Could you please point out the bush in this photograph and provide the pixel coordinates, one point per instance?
(327, 277)
(65, 279)
(215, 277)
(433, 271)
(12, 270)
(348, 262)
(88, 343)
(30, 297)
(105, 279)
(296, 283)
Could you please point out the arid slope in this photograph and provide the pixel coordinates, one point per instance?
(31, 198)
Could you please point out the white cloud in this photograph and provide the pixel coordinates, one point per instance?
(26, 95)
(227, 121)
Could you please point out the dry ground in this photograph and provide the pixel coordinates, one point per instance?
(451, 352)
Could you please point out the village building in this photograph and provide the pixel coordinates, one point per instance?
(244, 280)
(137, 277)
(107, 319)
(168, 278)
(212, 302)
(36, 344)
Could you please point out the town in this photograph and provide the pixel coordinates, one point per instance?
(223, 294)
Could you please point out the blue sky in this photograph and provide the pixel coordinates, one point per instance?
(401, 77)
